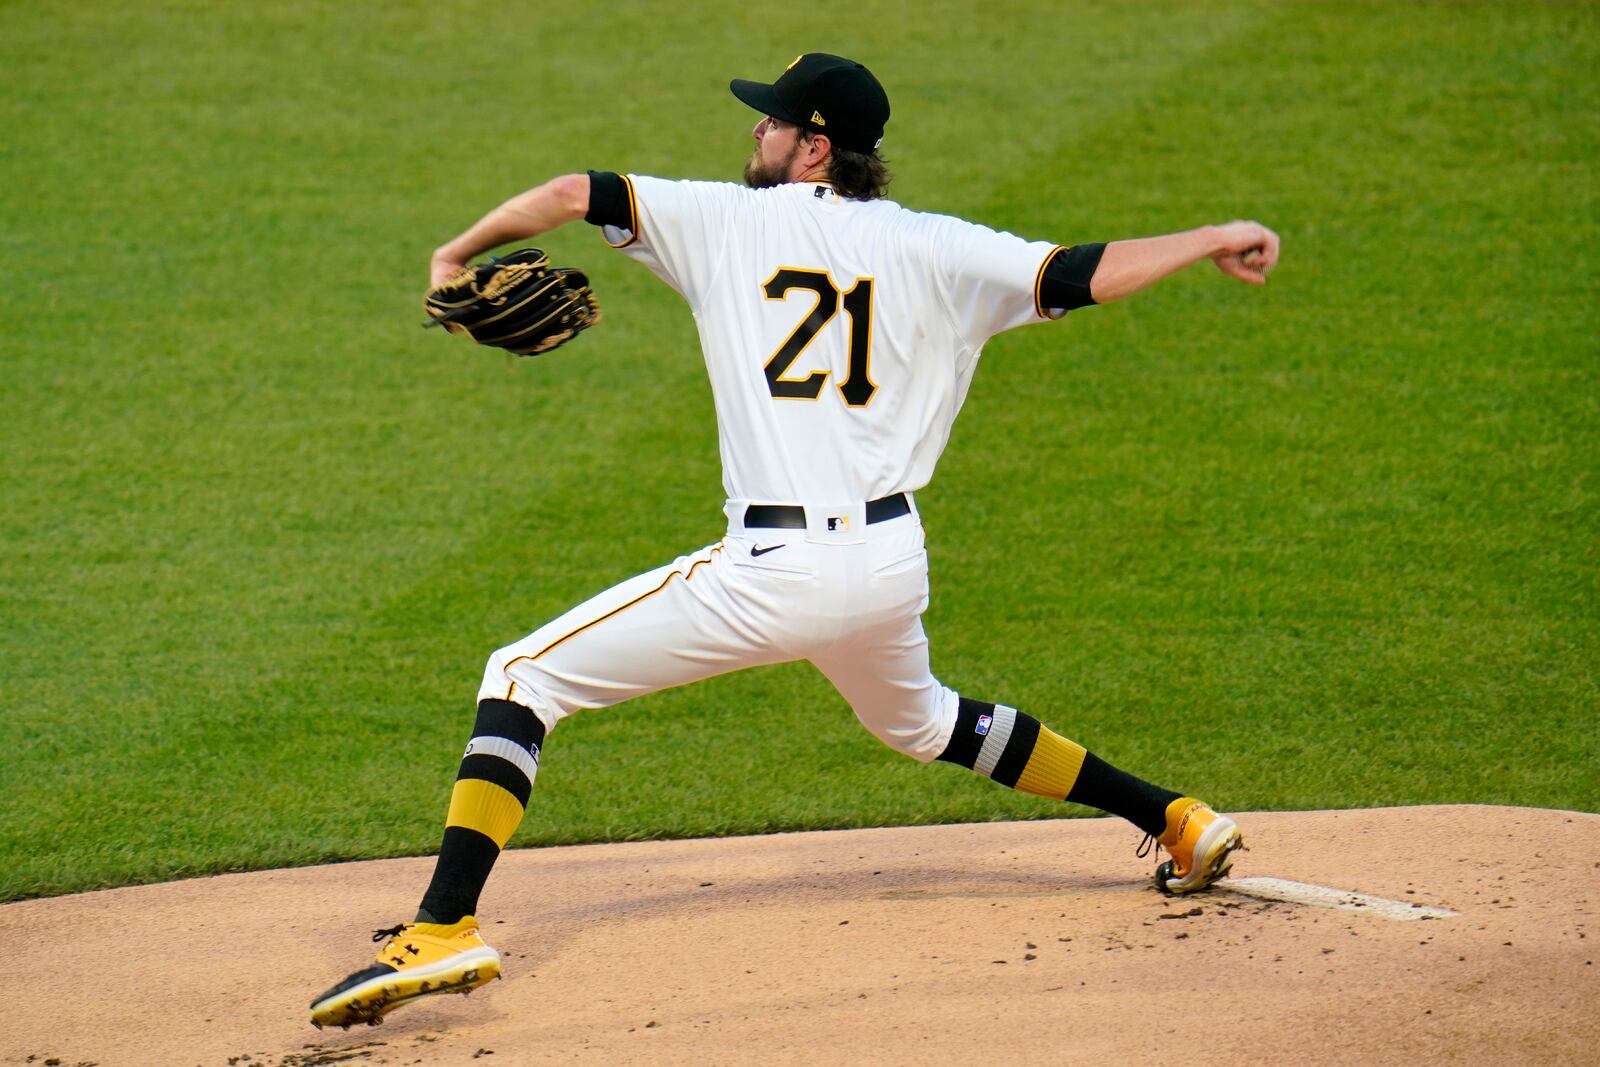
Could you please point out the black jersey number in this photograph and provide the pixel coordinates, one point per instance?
(857, 388)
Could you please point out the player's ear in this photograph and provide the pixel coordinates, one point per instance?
(817, 148)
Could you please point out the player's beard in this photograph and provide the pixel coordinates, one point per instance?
(761, 175)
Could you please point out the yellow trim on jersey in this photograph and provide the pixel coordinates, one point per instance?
(1038, 280)
(633, 216)
(485, 807)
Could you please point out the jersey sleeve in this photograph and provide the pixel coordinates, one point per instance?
(677, 229)
(990, 279)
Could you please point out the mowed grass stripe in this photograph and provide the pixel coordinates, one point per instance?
(267, 530)
(228, 732)
(1363, 490)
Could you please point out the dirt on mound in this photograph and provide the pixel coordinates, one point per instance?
(1016, 943)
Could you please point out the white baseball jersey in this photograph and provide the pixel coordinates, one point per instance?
(840, 335)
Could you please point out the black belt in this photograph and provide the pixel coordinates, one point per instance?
(793, 516)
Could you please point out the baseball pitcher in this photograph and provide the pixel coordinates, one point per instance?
(840, 332)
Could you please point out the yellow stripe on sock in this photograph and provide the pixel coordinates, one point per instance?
(484, 807)
(1052, 767)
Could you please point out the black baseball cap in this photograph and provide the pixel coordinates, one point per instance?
(827, 94)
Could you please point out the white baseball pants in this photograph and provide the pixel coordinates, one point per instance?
(844, 595)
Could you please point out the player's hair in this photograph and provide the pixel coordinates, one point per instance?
(856, 175)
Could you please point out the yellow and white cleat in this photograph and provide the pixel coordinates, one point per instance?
(1201, 844)
(417, 960)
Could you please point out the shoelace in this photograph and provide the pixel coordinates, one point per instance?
(393, 931)
(1145, 845)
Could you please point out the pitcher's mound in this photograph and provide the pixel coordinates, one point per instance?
(1000, 943)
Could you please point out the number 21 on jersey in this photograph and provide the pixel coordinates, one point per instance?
(857, 388)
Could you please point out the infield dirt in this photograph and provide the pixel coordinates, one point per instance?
(1002, 943)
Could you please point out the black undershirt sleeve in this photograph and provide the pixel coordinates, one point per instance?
(1065, 282)
(609, 204)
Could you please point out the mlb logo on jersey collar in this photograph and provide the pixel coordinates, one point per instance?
(825, 195)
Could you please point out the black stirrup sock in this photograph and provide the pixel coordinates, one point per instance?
(490, 795)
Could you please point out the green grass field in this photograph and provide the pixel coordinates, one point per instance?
(1335, 543)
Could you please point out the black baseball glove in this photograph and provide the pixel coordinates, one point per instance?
(519, 303)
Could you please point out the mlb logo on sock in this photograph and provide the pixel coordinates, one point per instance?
(982, 729)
